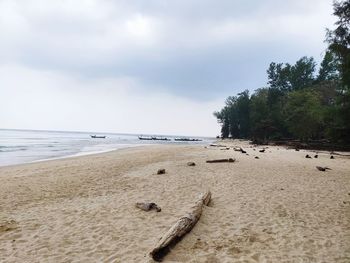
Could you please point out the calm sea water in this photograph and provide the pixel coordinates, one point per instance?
(23, 146)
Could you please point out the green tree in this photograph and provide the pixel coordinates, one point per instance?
(222, 117)
(329, 68)
(243, 112)
(278, 76)
(302, 73)
(339, 39)
(304, 114)
(260, 123)
(339, 44)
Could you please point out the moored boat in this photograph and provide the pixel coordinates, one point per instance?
(187, 140)
(97, 137)
(161, 139)
(145, 138)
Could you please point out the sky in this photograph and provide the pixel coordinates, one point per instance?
(151, 66)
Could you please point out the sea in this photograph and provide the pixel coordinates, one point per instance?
(25, 146)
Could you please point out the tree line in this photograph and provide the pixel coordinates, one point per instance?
(299, 101)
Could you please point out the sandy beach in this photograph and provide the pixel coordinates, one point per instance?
(278, 208)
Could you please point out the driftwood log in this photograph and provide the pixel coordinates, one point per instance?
(322, 169)
(229, 160)
(217, 145)
(180, 228)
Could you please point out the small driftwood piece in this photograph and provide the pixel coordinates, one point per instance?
(191, 164)
(262, 150)
(322, 169)
(217, 145)
(180, 228)
(229, 160)
(161, 171)
(148, 206)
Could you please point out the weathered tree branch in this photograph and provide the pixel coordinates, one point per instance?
(180, 228)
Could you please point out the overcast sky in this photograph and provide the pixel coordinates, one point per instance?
(151, 66)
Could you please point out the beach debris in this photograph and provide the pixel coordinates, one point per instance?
(161, 171)
(256, 157)
(191, 164)
(323, 169)
(8, 225)
(296, 149)
(239, 149)
(145, 206)
(316, 156)
(229, 160)
(262, 150)
(332, 157)
(225, 149)
(217, 145)
(180, 228)
(308, 156)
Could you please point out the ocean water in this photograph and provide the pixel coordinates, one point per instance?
(23, 146)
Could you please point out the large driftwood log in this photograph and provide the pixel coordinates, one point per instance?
(180, 228)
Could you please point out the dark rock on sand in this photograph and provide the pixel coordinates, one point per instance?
(161, 171)
(148, 206)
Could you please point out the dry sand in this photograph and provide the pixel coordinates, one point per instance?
(278, 208)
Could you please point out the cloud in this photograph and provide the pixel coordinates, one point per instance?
(189, 53)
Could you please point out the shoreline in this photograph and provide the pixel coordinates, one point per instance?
(275, 208)
(79, 154)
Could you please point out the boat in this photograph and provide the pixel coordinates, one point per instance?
(145, 138)
(160, 139)
(97, 137)
(153, 138)
(187, 140)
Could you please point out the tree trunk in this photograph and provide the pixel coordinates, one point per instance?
(180, 228)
